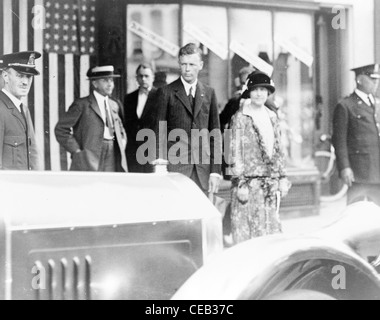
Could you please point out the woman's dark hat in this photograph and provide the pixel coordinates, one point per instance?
(258, 79)
(102, 72)
(23, 62)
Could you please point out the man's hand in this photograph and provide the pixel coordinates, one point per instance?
(348, 177)
(214, 183)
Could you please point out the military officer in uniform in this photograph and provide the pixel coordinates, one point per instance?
(18, 149)
(357, 137)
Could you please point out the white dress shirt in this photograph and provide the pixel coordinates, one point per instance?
(141, 103)
(15, 101)
(100, 99)
(188, 86)
(368, 99)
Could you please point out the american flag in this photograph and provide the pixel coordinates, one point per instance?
(66, 38)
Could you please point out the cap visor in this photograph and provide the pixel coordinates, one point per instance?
(27, 71)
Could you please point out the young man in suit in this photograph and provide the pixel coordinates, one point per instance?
(92, 130)
(357, 137)
(140, 113)
(187, 108)
(18, 149)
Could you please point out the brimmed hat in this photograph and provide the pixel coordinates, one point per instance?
(372, 71)
(102, 72)
(23, 62)
(258, 79)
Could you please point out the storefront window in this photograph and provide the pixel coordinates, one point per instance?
(293, 76)
(152, 37)
(208, 27)
(251, 40)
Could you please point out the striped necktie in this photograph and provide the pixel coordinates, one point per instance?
(109, 122)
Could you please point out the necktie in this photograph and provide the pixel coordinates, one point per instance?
(371, 99)
(28, 141)
(191, 98)
(24, 116)
(109, 122)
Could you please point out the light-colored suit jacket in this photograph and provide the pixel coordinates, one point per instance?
(82, 128)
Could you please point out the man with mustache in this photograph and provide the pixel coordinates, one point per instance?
(18, 149)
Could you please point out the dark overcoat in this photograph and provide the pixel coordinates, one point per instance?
(356, 138)
(185, 150)
(133, 124)
(82, 128)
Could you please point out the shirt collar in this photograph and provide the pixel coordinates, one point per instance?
(144, 91)
(188, 86)
(15, 101)
(100, 97)
(362, 95)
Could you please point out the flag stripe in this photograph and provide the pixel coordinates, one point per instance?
(84, 83)
(62, 104)
(2, 28)
(46, 119)
(39, 99)
(53, 111)
(16, 25)
(30, 46)
(69, 92)
(23, 27)
(8, 27)
(76, 76)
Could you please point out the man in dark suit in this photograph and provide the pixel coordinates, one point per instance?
(186, 109)
(357, 137)
(18, 149)
(140, 113)
(92, 130)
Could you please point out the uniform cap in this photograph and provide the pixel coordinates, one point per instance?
(372, 70)
(22, 62)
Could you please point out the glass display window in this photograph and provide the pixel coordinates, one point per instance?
(152, 37)
(293, 76)
(207, 26)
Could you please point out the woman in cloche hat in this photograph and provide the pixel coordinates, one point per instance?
(257, 163)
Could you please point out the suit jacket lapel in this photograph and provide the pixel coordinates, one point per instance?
(94, 106)
(199, 95)
(181, 95)
(149, 103)
(10, 105)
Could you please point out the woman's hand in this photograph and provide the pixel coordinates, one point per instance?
(243, 193)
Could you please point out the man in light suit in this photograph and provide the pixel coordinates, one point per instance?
(92, 130)
(185, 108)
(18, 149)
(139, 114)
(357, 137)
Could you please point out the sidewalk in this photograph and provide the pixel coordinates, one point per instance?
(328, 214)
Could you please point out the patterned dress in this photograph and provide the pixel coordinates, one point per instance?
(258, 181)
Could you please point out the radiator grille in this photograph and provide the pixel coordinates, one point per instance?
(64, 279)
